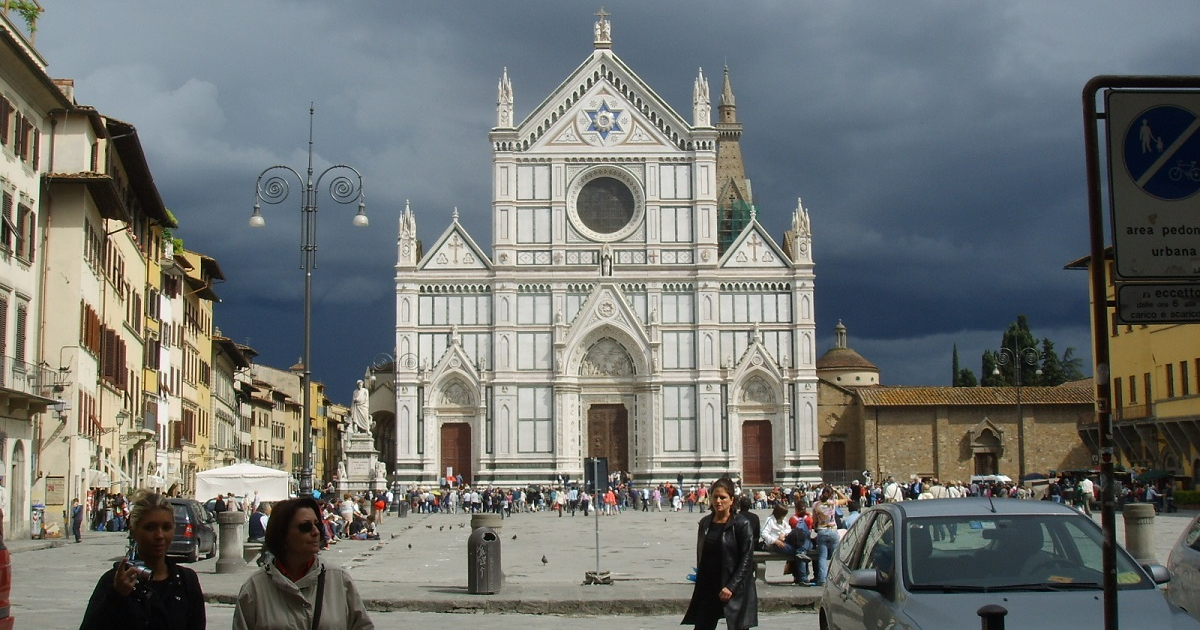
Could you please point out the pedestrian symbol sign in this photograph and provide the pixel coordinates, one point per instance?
(1154, 178)
(1162, 152)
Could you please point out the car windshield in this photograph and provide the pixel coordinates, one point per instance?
(1009, 552)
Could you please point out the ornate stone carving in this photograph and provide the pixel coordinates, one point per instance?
(758, 391)
(607, 358)
(456, 394)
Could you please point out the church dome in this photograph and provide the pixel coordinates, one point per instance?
(843, 366)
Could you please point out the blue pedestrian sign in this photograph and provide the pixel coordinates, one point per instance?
(1162, 152)
(1154, 178)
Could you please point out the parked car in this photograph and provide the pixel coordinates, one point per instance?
(934, 563)
(1184, 564)
(195, 532)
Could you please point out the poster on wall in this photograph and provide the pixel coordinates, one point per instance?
(56, 490)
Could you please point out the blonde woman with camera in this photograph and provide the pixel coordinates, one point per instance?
(145, 589)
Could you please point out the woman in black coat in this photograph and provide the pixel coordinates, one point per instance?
(147, 591)
(725, 566)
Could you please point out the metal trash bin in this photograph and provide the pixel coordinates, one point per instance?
(484, 574)
(402, 507)
(37, 517)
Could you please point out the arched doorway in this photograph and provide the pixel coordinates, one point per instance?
(16, 513)
(986, 451)
(456, 450)
(385, 437)
(608, 435)
(758, 455)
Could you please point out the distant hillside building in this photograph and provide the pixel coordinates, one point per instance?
(631, 306)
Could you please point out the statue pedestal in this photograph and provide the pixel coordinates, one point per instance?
(362, 469)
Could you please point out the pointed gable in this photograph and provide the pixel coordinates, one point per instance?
(601, 105)
(454, 249)
(754, 248)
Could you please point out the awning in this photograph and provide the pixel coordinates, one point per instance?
(98, 479)
(112, 466)
(154, 481)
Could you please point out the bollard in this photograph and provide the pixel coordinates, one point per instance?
(229, 541)
(991, 617)
(486, 519)
(484, 573)
(1139, 531)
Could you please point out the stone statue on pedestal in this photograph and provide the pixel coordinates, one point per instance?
(360, 417)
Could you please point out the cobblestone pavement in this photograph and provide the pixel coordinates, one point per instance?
(420, 568)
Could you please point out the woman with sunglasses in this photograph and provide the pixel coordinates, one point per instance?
(145, 589)
(297, 590)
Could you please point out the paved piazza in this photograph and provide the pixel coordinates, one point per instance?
(648, 554)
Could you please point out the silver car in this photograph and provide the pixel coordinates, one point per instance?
(934, 563)
(1184, 564)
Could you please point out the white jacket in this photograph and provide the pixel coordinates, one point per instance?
(270, 601)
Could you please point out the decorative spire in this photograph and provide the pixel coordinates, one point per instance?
(800, 224)
(454, 217)
(602, 30)
(727, 92)
(701, 105)
(504, 102)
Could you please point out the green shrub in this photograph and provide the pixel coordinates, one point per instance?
(1187, 497)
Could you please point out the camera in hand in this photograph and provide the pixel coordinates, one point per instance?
(131, 559)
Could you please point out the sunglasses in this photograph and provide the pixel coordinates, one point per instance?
(306, 527)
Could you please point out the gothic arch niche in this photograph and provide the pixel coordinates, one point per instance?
(607, 357)
(758, 391)
(456, 393)
(385, 437)
(987, 446)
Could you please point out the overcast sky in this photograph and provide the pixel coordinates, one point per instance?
(938, 145)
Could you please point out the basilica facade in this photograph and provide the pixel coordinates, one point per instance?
(631, 306)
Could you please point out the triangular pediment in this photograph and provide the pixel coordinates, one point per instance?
(606, 313)
(754, 248)
(454, 365)
(757, 362)
(455, 249)
(604, 104)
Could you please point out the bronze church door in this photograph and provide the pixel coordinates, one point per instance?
(608, 435)
(758, 465)
(456, 449)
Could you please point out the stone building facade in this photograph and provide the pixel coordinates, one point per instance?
(950, 433)
(631, 307)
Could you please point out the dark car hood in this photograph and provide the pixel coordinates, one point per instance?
(1139, 608)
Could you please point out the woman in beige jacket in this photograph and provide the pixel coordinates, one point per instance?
(296, 590)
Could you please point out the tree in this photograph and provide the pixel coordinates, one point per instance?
(1019, 349)
(1072, 366)
(988, 376)
(966, 378)
(954, 369)
(1052, 369)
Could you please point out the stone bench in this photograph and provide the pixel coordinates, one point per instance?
(761, 558)
(251, 550)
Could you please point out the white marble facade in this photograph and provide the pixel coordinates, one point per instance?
(606, 319)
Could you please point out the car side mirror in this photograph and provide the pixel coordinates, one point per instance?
(1158, 573)
(869, 579)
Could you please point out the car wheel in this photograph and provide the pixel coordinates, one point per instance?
(212, 551)
(194, 553)
(821, 621)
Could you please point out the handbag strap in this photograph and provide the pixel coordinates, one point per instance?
(320, 598)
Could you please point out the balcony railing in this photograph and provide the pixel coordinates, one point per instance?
(27, 378)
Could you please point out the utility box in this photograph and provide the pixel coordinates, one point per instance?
(484, 574)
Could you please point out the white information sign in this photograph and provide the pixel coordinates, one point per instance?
(1154, 178)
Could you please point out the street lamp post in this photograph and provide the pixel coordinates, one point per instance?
(1018, 356)
(345, 188)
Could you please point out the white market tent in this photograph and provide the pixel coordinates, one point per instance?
(242, 480)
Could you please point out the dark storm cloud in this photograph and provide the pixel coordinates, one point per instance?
(937, 144)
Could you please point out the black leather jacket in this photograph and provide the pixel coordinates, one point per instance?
(737, 572)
